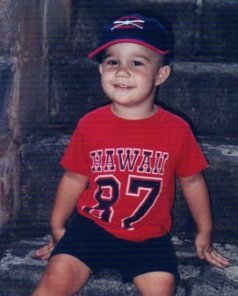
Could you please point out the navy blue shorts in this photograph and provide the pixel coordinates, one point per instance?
(99, 250)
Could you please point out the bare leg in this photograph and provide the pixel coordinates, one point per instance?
(64, 276)
(155, 284)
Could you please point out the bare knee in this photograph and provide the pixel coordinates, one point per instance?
(64, 275)
(60, 269)
(156, 283)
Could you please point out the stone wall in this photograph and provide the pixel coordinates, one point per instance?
(47, 84)
(28, 33)
(8, 92)
(206, 55)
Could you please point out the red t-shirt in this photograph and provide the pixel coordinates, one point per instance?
(131, 165)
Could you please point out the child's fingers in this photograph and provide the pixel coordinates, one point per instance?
(218, 259)
(213, 257)
(45, 251)
(45, 256)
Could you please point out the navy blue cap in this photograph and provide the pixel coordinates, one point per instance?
(134, 28)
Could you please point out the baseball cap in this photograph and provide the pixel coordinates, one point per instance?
(134, 28)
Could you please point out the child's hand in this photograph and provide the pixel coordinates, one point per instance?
(44, 252)
(205, 251)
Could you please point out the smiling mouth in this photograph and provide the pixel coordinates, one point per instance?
(123, 86)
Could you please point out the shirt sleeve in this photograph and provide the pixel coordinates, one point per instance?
(75, 158)
(191, 159)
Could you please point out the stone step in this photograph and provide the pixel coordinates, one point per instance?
(206, 95)
(203, 93)
(20, 271)
(40, 173)
(202, 29)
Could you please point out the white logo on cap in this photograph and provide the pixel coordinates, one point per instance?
(134, 23)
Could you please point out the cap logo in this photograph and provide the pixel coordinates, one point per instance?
(128, 23)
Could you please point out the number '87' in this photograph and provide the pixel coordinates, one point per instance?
(149, 187)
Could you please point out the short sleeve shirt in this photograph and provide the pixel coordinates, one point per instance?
(131, 166)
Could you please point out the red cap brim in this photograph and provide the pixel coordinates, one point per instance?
(126, 40)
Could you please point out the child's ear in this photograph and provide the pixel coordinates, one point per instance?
(162, 75)
(100, 68)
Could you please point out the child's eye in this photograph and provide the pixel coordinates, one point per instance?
(136, 63)
(111, 62)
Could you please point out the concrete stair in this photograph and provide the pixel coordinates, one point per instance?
(205, 94)
(41, 172)
(203, 90)
(41, 155)
(20, 272)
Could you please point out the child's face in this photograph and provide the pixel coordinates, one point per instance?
(130, 74)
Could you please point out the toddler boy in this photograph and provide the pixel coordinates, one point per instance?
(120, 173)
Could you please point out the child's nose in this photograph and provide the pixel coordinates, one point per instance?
(123, 70)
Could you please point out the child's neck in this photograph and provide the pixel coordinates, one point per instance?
(134, 113)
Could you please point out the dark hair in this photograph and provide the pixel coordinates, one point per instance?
(166, 58)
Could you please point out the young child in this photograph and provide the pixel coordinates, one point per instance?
(120, 173)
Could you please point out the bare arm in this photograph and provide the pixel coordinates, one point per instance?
(70, 187)
(196, 194)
